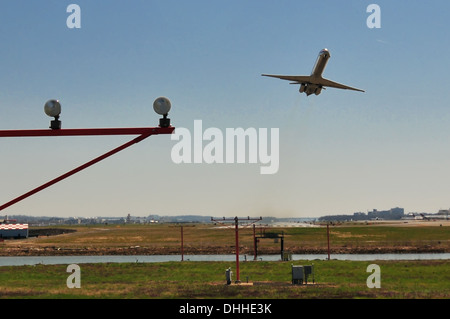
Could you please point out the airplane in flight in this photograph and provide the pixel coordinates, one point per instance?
(314, 83)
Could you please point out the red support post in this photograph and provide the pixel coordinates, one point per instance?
(328, 240)
(182, 245)
(255, 253)
(236, 223)
(182, 238)
(236, 230)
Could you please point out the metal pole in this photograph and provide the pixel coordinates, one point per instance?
(328, 240)
(254, 242)
(182, 245)
(182, 237)
(236, 223)
(236, 230)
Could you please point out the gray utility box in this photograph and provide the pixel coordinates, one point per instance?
(309, 271)
(300, 274)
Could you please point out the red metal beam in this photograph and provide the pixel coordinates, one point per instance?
(143, 134)
(87, 132)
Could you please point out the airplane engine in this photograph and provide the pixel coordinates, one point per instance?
(302, 88)
(318, 91)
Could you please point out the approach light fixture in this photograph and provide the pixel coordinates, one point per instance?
(53, 109)
(162, 106)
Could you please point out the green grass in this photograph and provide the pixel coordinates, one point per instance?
(205, 236)
(188, 280)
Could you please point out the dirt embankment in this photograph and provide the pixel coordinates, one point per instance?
(210, 250)
(37, 247)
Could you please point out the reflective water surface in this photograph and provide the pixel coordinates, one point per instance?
(67, 260)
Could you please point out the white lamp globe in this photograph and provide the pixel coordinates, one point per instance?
(52, 108)
(162, 105)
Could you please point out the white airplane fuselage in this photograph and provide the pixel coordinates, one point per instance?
(321, 63)
(317, 71)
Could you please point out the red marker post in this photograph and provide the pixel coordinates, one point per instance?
(235, 221)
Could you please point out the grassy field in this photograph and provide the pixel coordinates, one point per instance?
(191, 280)
(180, 280)
(206, 238)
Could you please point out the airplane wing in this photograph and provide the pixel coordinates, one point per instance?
(295, 78)
(302, 79)
(325, 82)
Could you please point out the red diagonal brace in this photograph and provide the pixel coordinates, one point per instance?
(144, 133)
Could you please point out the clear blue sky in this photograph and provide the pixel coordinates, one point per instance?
(340, 152)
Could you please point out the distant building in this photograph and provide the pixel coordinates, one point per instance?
(13, 231)
(392, 214)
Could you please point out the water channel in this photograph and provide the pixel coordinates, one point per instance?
(67, 260)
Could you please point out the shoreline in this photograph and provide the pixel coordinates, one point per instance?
(151, 251)
(129, 240)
